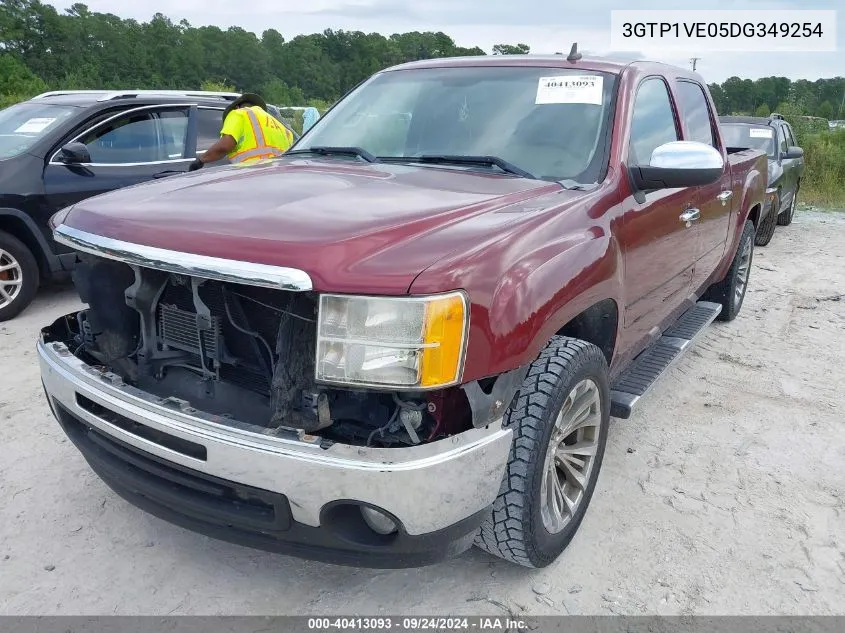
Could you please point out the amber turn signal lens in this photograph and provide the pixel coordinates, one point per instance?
(443, 339)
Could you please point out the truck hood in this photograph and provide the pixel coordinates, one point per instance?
(353, 227)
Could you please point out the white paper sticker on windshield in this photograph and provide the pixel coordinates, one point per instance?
(759, 132)
(34, 126)
(570, 89)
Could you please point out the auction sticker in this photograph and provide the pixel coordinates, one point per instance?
(758, 132)
(570, 89)
(34, 126)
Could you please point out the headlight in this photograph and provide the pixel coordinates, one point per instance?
(411, 342)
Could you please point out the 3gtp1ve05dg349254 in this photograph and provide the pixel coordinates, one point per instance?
(407, 335)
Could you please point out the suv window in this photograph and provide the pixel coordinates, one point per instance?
(174, 132)
(695, 112)
(137, 137)
(653, 122)
(790, 138)
(209, 122)
(782, 139)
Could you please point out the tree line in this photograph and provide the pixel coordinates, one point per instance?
(41, 49)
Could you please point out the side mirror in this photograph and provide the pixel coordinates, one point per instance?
(793, 152)
(74, 154)
(679, 164)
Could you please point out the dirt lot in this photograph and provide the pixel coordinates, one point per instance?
(724, 494)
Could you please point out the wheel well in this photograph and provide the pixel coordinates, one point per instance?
(754, 215)
(18, 228)
(597, 325)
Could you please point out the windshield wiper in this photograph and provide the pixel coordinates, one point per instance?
(325, 150)
(443, 159)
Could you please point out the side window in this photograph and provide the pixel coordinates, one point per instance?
(174, 133)
(209, 123)
(782, 140)
(127, 139)
(790, 138)
(143, 136)
(653, 122)
(695, 113)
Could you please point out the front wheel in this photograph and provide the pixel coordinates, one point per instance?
(785, 218)
(730, 292)
(767, 227)
(559, 423)
(19, 276)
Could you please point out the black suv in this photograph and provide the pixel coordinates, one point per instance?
(61, 147)
(774, 136)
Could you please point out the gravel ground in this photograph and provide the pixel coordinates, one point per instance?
(723, 494)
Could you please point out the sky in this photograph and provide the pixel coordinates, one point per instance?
(546, 26)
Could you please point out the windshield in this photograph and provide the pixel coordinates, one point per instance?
(749, 137)
(23, 124)
(550, 122)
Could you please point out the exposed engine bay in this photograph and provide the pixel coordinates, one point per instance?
(241, 352)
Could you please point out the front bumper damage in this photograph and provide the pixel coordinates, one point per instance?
(292, 494)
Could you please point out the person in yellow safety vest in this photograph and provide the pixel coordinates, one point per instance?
(248, 134)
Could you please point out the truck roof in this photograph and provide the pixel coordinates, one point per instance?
(600, 64)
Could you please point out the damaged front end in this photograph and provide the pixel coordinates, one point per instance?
(263, 359)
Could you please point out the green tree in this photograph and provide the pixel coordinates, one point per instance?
(762, 110)
(509, 49)
(825, 110)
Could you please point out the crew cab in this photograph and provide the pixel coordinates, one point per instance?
(774, 136)
(63, 146)
(408, 334)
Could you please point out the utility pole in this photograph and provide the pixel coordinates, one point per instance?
(694, 61)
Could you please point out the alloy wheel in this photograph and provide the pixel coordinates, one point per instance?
(570, 456)
(742, 272)
(11, 278)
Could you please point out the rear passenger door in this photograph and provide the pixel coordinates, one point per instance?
(659, 246)
(791, 167)
(714, 201)
(127, 148)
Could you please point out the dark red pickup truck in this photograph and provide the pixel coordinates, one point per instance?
(408, 335)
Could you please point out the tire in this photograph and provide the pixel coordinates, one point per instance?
(522, 528)
(730, 292)
(767, 228)
(785, 217)
(19, 276)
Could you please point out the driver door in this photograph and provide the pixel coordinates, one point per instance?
(127, 148)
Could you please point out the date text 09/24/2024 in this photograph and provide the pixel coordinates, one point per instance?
(723, 29)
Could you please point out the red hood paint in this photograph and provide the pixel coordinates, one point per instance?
(353, 227)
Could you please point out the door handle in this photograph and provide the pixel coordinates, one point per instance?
(689, 215)
(725, 196)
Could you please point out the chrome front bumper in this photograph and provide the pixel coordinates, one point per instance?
(427, 488)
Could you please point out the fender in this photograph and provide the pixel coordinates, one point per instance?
(46, 254)
(754, 191)
(529, 308)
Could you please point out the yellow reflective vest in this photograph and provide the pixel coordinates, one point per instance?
(258, 135)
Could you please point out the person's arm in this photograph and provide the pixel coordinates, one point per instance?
(226, 144)
(223, 147)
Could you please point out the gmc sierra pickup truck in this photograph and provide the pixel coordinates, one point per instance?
(407, 335)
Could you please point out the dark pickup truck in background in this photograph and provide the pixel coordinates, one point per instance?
(408, 334)
(774, 136)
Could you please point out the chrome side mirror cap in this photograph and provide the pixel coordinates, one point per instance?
(679, 164)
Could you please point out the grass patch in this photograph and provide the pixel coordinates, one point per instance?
(824, 177)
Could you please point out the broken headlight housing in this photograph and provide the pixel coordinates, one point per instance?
(400, 342)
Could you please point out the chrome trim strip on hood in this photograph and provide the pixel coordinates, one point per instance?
(203, 266)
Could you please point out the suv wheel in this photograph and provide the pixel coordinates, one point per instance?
(785, 218)
(767, 227)
(19, 276)
(559, 423)
(730, 292)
